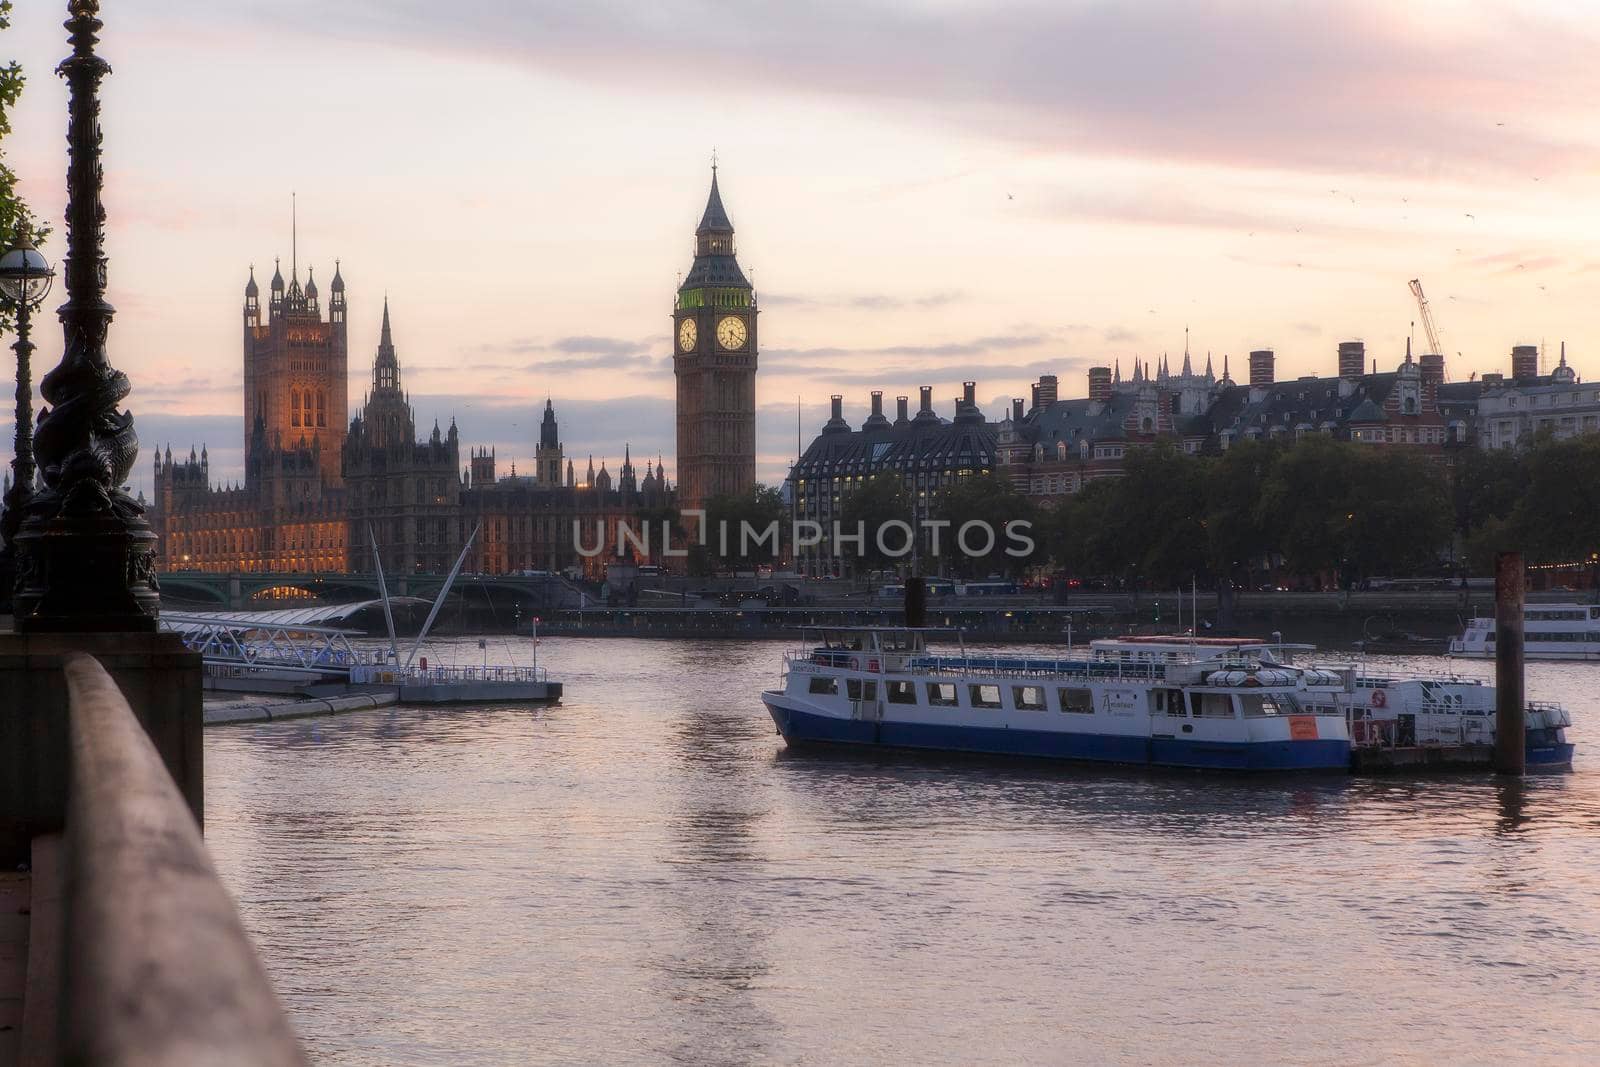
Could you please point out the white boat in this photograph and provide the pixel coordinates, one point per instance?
(1427, 711)
(881, 686)
(1549, 631)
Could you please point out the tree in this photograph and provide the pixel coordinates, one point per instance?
(1559, 514)
(742, 529)
(1159, 520)
(1237, 533)
(869, 507)
(1486, 484)
(13, 211)
(1400, 514)
(1306, 504)
(999, 522)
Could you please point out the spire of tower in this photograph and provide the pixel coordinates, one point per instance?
(1408, 349)
(1116, 375)
(1225, 376)
(715, 219)
(1208, 364)
(384, 339)
(1187, 368)
(294, 237)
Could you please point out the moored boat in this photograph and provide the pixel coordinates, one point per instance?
(1549, 632)
(1418, 711)
(883, 687)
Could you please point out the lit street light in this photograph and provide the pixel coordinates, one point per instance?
(25, 277)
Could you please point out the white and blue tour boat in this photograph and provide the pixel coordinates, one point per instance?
(882, 686)
(1177, 701)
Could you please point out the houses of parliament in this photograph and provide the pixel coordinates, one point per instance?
(324, 492)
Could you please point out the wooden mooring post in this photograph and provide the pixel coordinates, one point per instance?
(916, 601)
(1510, 756)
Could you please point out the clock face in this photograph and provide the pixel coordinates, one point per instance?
(686, 335)
(731, 332)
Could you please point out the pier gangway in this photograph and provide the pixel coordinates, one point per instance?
(258, 643)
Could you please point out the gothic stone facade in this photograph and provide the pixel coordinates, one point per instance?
(404, 495)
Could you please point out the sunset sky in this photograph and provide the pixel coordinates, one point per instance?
(923, 192)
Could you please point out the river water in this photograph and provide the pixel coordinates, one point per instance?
(644, 875)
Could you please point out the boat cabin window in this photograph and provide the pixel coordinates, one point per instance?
(901, 692)
(1078, 701)
(1211, 705)
(897, 641)
(856, 689)
(1169, 701)
(826, 686)
(1258, 704)
(942, 694)
(1028, 697)
(985, 696)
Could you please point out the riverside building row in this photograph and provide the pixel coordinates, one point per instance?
(1051, 447)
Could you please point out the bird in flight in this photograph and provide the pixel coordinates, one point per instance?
(1471, 216)
(1010, 197)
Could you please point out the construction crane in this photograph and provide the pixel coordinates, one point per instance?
(1427, 318)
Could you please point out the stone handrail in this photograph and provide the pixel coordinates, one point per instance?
(156, 965)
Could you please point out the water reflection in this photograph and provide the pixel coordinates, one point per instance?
(645, 873)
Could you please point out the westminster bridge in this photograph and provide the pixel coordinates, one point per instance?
(243, 591)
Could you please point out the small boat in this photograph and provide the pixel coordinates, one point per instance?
(1549, 632)
(881, 686)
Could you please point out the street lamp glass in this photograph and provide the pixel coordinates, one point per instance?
(25, 274)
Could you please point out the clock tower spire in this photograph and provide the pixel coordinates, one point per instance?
(714, 362)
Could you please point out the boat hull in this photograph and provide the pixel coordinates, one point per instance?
(800, 726)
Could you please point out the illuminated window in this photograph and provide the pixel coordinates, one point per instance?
(294, 407)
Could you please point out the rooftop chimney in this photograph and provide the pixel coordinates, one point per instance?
(1016, 409)
(1525, 362)
(969, 394)
(900, 405)
(1432, 364)
(926, 413)
(1100, 383)
(1047, 390)
(1261, 367)
(876, 421)
(1352, 358)
(836, 423)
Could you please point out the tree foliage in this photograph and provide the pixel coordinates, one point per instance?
(1318, 507)
(1543, 501)
(876, 502)
(737, 528)
(993, 501)
(13, 211)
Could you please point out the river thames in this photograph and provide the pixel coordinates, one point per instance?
(643, 874)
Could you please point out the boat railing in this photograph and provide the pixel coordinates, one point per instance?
(1010, 667)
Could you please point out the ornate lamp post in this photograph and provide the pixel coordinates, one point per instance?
(84, 552)
(25, 278)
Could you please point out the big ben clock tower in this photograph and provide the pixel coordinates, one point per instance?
(714, 361)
